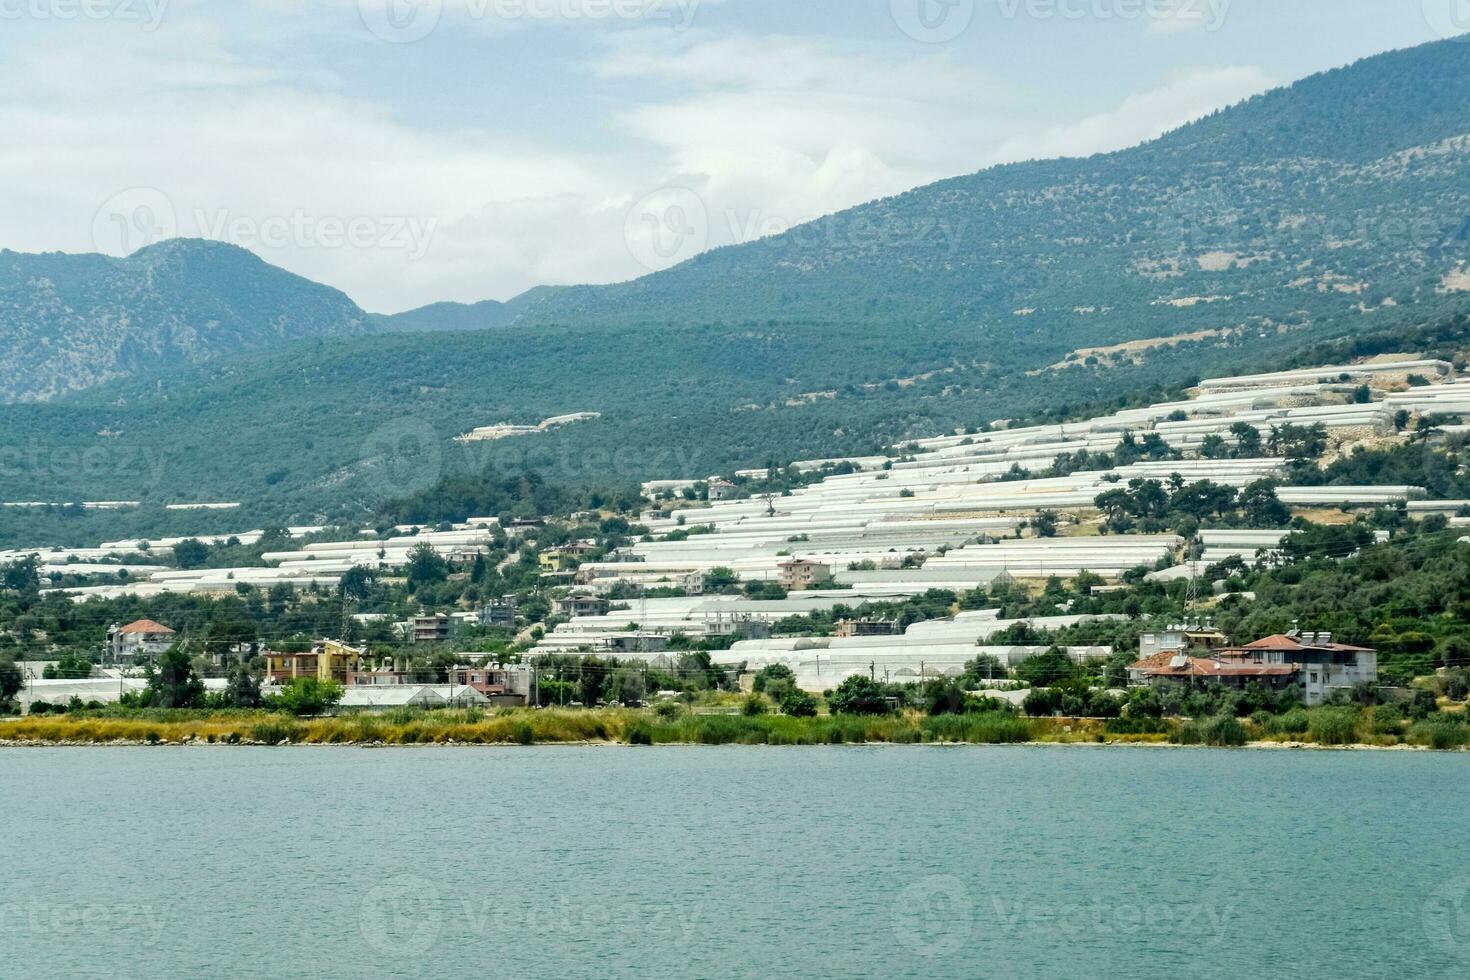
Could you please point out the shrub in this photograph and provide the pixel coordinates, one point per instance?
(987, 728)
(275, 731)
(1141, 725)
(774, 672)
(859, 695)
(798, 704)
(523, 734)
(1042, 701)
(307, 696)
(1440, 733)
(754, 706)
(639, 734)
(1333, 726)
(1387, 719)
(1293, 722)
(1221, 730)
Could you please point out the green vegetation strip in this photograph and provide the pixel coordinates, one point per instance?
(1332, 726)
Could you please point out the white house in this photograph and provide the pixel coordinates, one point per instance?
(139, 641)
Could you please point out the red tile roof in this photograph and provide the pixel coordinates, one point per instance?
(1291, 644)
(1162, 665)
(146, 626)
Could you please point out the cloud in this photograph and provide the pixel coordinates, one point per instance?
(1178, 16)
(1141, 117)
(256, 140)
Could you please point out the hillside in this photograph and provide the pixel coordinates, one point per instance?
(69, 322)
(1338, 194)
(447, 317)
(1328, 210)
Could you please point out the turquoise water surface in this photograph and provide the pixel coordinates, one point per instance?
(733, 862)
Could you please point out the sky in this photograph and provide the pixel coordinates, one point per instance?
(414, 151)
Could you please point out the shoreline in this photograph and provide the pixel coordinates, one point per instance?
(1255, 746)
(638, 727)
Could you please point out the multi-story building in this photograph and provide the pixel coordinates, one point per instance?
(581, 603)
(847, 628)
(328, 660)
(1311, 661)
(139, 642)
(503, 684)
(500, 613)
(434, 629)
(800, 574)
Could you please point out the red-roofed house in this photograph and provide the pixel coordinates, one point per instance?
(140, 641)
(1310, 660)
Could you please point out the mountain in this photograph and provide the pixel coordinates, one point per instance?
(1351, 183)
(69, 322)
(438, 317)
(1329, 216)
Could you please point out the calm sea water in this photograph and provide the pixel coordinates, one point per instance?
(733, 862)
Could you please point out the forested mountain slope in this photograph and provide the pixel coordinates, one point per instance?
(69, 322)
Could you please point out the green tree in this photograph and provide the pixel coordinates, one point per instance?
(243, 690)
(627, 686)
(306, 696)
(772, 672)
(357, 583)
(984, 668)
(425, 567)
(719, 579)
(173, 683)
(1046, 669)
(1261, 507)
(798, 704)
(191, 553)
(1247, 440)
(11, 679)
(859, 695)
(21, 575)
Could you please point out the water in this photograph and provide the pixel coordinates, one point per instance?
(740, 862)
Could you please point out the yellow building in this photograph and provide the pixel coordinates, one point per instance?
(329, 660)
(555, 560)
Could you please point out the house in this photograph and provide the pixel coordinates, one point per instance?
(582, 603)
(742, 625)
(434, 629)
(847, 628)
(502, 685)
(800, 574)
(384, 675)
(1311, 661)
(501, 613)
(1323, 666)
(1181, 639)
(635, 643)
(140, 641)
(720, 489)
(328, 660)
(557, 560)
